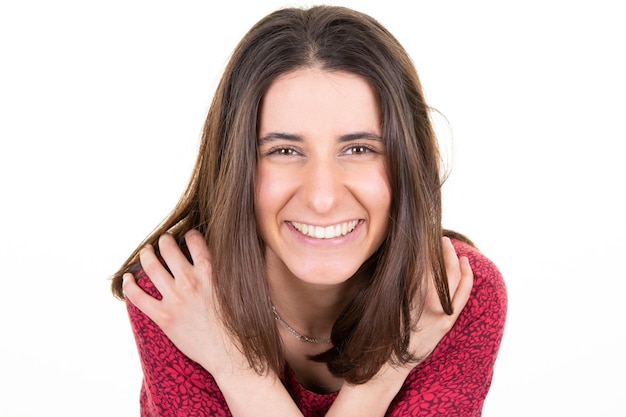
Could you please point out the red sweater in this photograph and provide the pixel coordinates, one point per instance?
(452, 381)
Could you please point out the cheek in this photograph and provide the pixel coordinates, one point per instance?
(380, 191)
(261, 196)
(269, 195)
(380, 200)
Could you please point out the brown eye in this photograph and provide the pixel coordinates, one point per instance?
(358, 150)
(283, 152)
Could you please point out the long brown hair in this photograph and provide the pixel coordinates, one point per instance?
(219, 200)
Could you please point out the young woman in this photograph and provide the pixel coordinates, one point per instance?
(305, 271)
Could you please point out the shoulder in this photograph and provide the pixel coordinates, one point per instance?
(483, 319)
(455, 378)
(143, 281)
(488, 281)
(480, 326)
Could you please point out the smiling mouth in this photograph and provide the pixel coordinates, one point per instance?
(328, 232)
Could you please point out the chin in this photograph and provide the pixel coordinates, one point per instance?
(325, 276)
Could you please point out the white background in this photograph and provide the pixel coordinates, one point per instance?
(101, 106)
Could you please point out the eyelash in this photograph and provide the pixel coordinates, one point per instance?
(350, 150)
(283, 151)
(362, 149)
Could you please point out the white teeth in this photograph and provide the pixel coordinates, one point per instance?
(328, 232)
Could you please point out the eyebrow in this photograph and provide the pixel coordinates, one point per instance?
(274, 136)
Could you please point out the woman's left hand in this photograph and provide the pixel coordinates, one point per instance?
(434, 323)
(375, 396)
(187, 312)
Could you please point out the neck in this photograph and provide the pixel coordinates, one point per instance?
(311, 309)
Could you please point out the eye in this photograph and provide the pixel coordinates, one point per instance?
(358, 150)
(283, 151)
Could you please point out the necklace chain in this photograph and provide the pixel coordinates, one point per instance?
(295, 333)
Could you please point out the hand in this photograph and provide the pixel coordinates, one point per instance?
(375, 396)
(187, 312)
(434, 323)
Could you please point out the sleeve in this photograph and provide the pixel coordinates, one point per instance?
(455, 379)
(173, 384)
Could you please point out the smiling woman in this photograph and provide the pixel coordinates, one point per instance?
(305, 271)
(322, 190)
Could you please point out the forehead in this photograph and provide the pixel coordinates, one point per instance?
(312, 98)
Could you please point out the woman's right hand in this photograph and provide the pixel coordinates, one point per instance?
(188, 316)
(187, 312)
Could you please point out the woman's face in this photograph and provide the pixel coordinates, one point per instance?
(322, 191)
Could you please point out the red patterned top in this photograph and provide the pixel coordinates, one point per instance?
(453, 381)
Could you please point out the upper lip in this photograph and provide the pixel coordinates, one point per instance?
(329, 231)
(338, 223)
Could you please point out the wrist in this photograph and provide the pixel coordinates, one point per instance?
(251, 394)
(389, 380)
(373, 397)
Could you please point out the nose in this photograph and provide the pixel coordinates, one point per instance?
(323, 184)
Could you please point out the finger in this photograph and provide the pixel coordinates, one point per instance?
(138, 297)
(451, 262)
(464, 288)
(198, 249)
(173, 256)
(156, 271)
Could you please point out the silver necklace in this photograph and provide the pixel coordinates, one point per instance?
(294, 332)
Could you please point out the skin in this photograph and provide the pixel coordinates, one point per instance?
(321, 163)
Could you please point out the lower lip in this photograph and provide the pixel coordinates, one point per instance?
(336, 241)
